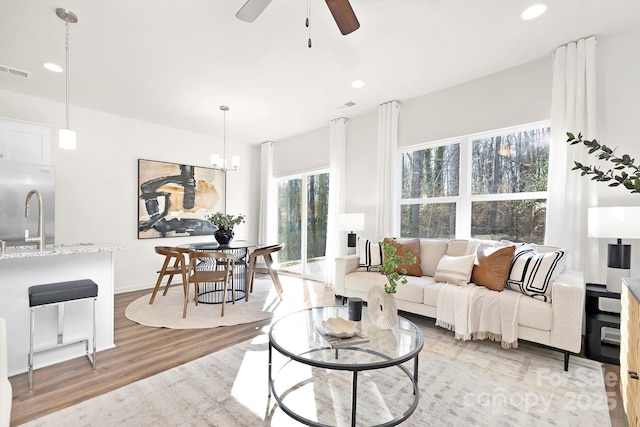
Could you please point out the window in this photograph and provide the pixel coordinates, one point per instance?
(486, 186)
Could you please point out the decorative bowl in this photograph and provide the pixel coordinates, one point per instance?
(340, 327)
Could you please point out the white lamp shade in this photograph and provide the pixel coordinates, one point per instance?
(235, 161)
(351, 222)
(67, 139)
(215, 160)
(618, 222)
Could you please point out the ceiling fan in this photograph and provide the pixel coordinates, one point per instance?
(340, 9)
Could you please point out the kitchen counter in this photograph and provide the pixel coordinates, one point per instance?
(25, 266)
(31, 251)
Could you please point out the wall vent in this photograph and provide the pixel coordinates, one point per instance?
(14, 71)
(346, 105)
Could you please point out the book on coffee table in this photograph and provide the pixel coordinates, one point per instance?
(337, 342)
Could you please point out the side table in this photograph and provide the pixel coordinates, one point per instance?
(595, 347)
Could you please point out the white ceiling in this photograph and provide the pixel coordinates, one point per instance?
(175, 62)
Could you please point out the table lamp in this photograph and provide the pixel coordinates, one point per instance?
(615, 223)
(351, 223)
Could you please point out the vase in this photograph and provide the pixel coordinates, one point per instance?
(223, 236)
(382, 308)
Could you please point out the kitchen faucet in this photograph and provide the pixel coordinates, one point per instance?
(40, 237)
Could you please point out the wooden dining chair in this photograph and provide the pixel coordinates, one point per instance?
(223, 265)
(266, 267)
(174, 263)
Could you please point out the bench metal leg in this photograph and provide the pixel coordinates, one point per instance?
(60, 339)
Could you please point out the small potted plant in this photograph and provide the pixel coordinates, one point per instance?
(224, 226)
(383, 310)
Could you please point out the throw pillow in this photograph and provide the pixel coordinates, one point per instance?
(532, 273)
(370, 253)
(492, 266)
(455, 269)
(413, 246)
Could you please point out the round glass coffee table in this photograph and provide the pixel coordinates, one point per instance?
(298, 338)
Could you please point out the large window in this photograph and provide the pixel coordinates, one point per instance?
(486, 186)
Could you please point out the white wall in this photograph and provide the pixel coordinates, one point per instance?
(515, 96)
(96, 185)
(303, 153)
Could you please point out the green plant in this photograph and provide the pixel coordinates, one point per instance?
(390, 263)
(624, 172)
(224, 221)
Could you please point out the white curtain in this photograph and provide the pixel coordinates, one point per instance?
(573, 109)
(336, 244)
(386, 224)
(267, 225)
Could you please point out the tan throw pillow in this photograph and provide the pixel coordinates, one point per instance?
(492, 266)
(413, 246)
(454, 269)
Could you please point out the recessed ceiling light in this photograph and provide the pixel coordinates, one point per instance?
(357, 84)
(532, 12)
(53, 67)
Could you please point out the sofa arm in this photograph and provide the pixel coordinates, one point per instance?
(567, 301)
(344, 265)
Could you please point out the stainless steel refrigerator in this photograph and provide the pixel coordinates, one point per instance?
(16, 181)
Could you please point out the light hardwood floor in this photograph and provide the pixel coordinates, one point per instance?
(142, 352)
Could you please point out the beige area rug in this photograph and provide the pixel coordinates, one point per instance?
(472, 383)
(166, 311)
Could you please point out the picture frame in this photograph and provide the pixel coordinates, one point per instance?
(175, 199)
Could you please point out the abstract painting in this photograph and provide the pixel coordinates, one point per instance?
(174, 199)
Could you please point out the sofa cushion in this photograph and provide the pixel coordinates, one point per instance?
(455, 269)
(492, 266)
(532, 272)
(431, 291)
(412, 291)
(458, 247)
(431, 250)
(534, 313)
(411, 245)
(370, 253)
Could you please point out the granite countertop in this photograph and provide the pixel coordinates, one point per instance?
(31, 251)
(633, 285)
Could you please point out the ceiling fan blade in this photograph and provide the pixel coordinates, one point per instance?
(343, 15)
(252, 9)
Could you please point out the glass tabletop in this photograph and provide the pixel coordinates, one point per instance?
(212, 246)
(296, 336)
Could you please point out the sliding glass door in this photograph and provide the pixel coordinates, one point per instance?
(303, 202)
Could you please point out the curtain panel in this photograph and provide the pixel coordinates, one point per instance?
(267, 225)
(387, 209)
(573, 109)
(336, 243)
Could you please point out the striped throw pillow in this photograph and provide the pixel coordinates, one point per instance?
(532, 272)
(370, 254)
(455, 269)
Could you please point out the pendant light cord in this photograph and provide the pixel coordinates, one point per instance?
(67, 72)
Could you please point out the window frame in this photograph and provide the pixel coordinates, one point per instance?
(465, 198)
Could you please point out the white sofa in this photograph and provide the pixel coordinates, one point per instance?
(6, 393)
(557, 324)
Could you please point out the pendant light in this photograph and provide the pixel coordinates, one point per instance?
(218, 162)
(67, 137)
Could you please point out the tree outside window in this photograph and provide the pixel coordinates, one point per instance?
(501, 194)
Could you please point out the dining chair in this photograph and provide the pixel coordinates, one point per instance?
(267, 267)
(222, 270)
(174, 263)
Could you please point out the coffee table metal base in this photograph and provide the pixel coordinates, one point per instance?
(354, 388)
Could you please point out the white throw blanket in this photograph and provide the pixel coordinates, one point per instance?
(475, 312)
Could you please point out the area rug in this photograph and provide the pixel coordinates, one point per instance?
(166, 311)
(461, 383)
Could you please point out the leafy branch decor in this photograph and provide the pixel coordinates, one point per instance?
(624, 172)
(224, 221)
(392, 260)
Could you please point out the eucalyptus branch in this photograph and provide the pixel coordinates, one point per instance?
(624, 172)
(391, 262)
